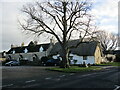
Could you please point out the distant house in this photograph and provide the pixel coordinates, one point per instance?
(32, 52)
(113, 55)
(88, 52)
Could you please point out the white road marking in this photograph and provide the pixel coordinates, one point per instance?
(58, 79)
(62, 76)
(30, 81)
(117, 87)
(6, 85)
(72, 73)
(48, 78)
(87, 75)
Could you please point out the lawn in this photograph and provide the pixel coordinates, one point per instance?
(74, 69)
(111, 64)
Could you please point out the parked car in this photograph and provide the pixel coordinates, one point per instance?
(53, 62)
(12, 63)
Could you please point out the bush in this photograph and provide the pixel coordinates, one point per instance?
(88, 64)
(103, 62)
(44, 59)
(32, 63)
(24, 62)
(82, 65)
(117, 58)
(109, 58)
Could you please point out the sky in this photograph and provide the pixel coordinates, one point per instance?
(104, 11)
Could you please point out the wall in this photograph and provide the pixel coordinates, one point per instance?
(13, 56)
(90, 59)
(98, 57)
(28, 56)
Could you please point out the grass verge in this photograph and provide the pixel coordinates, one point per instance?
(75, 69)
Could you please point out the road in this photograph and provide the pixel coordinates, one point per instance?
(38, 77)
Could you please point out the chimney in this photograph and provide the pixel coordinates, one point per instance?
(22, 44)
(35, 42)
(80, 37)
(51, 41)
(12, 45)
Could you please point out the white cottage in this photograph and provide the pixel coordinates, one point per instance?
(88, 52)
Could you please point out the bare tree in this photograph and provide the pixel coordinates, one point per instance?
(108, 41)
(61, 19)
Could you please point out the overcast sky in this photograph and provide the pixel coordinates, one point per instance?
(105, 12)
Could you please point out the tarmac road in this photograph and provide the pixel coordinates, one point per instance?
(38, 77)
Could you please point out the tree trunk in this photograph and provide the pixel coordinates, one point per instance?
(65, 60)
(64, 54)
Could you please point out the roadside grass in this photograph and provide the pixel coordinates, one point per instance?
(75, 69)
(111, 64)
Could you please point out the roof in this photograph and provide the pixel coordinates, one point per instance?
(112, 52)
(84, 49)
(30, 48)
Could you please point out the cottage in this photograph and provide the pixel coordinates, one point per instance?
(86, 52)
(32, 52)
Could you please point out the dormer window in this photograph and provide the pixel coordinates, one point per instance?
(13, 52)
(41, 49)
(25, 51)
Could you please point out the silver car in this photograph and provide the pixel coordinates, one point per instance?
(12, 63)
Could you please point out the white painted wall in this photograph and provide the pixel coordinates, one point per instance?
(90, 59)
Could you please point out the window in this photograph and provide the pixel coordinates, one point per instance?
(41, 49)
(13, 52)
(70, 57)
(25, 51)
(84, 57)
